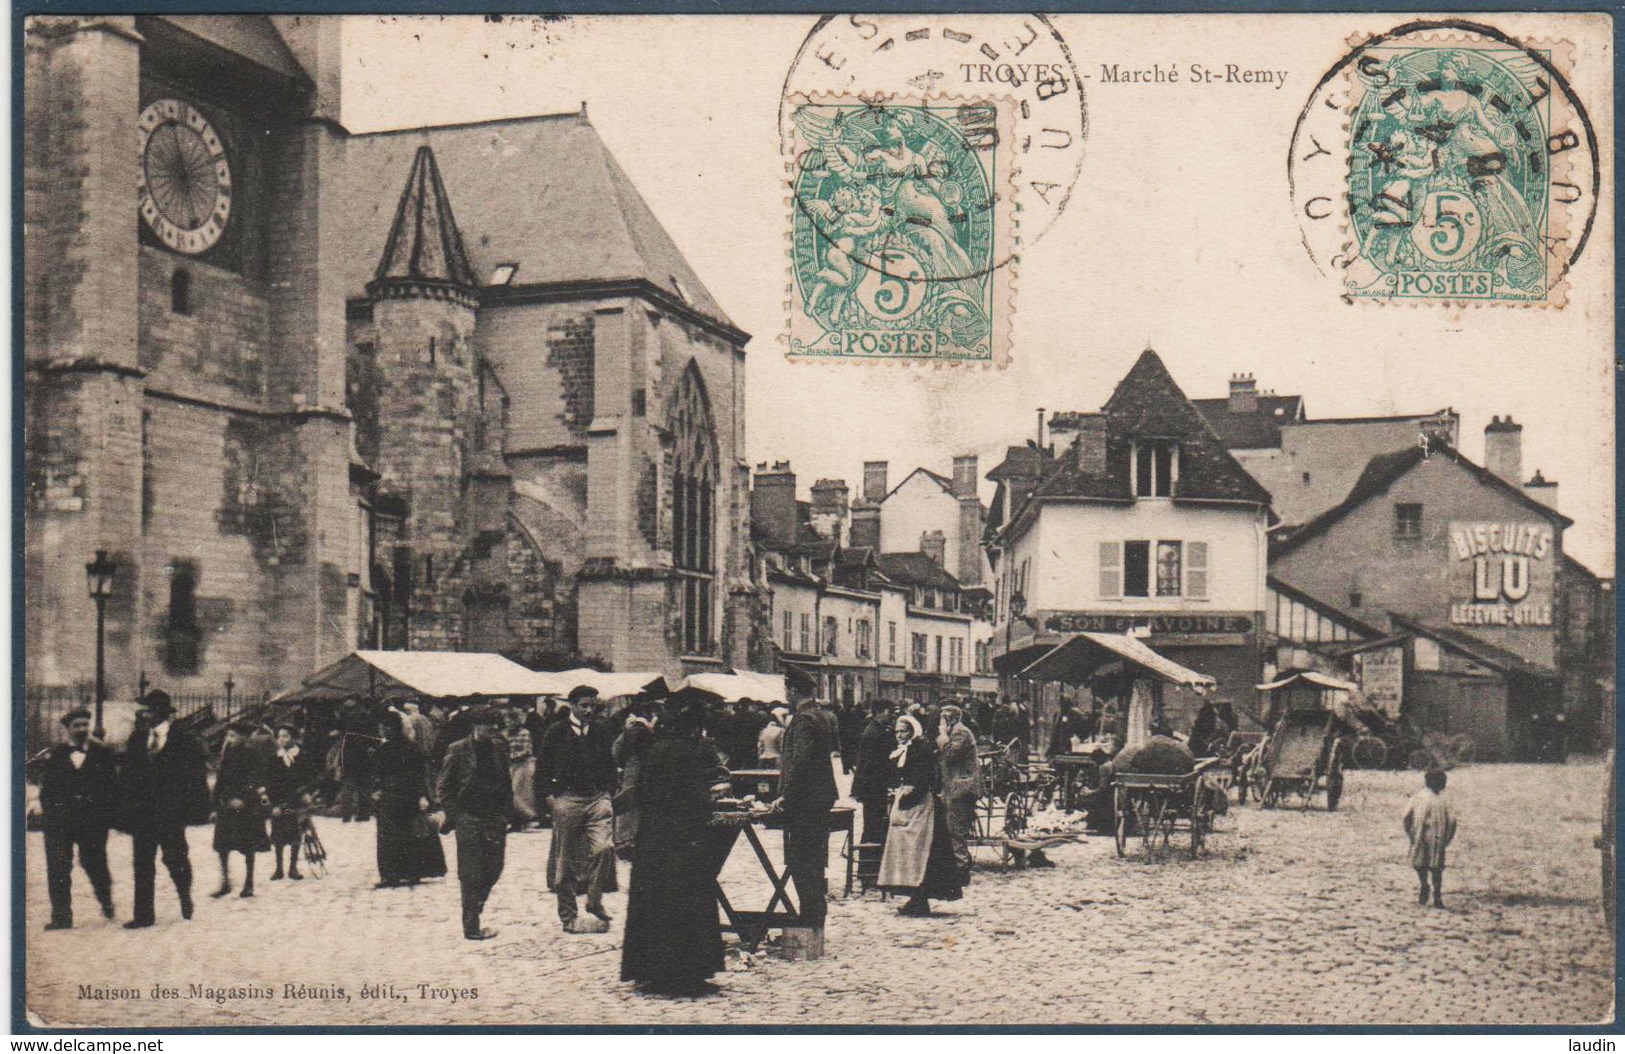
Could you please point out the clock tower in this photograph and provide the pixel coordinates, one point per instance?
(185, 399)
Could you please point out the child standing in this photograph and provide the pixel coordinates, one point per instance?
(1430, 824)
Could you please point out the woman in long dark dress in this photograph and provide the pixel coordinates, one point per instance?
(239, 802)
(919, 857)
(673, 939)
(408, 845)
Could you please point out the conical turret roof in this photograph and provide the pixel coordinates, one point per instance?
(425, 249)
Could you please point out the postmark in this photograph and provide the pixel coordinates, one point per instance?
(902, 228)
(1446, 162)
(924, 152)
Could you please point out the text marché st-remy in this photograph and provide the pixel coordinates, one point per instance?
(1195, 73)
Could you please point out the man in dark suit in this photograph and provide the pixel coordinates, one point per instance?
(477, 796)
(165, 787)
(806, 795)
(871, 781)
(575, 768)
(78, 787)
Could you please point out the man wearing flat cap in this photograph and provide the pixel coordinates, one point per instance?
(576, 768)
(476, 794)
(77, 790)
(165, 788)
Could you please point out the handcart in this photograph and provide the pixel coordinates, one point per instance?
(1309, 742)
(1156, 806)
(1304, 758)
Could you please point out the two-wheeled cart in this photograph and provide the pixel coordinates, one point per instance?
(1308, 745)
(1155, 807)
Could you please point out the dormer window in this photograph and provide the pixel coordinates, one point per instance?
(1156, 467)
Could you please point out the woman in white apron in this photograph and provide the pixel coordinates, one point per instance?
(919, 855)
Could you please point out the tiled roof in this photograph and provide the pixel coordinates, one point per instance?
(1381, 472)
(424, 244)
(540, 192)
(1149, 404)
(1250, 431)
(916, 569)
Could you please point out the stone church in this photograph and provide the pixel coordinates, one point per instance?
(446, 388)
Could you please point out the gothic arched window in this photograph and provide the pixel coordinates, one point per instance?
(693, 488)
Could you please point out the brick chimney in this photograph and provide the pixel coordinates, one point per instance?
(934, 545)
(773, 501)
(1243, 394)
(829, 509)
(865, 529)
(1542, 490)
(1503, 449)
(874, 481)
(964, 482)
(1089, 448)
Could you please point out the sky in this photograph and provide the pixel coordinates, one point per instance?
(1179, 235)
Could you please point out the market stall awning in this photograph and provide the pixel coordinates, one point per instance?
(432, 674)
(608, 685)
(1077, 658)
(1314, 677)
(732, 687)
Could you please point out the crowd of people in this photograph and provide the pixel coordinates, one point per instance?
(637, 785)
(641, 784)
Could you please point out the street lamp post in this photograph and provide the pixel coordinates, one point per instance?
(99, 579)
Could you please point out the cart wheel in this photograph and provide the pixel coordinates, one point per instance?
(1334, 790)
(1370, 753)
(1015, 814)
(1120, 819)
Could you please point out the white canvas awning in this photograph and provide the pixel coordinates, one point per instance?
(432, 674)
(608, 685)
(732, 687)
(1314, 677)
(1074, 660)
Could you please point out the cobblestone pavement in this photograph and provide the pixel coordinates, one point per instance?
(1293, 917)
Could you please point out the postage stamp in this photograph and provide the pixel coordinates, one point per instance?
(902, 228)
(958, 140)
(1457, 165)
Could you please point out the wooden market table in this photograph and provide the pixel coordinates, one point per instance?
(781, 911)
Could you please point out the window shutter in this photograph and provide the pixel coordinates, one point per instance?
(1196, 570)
(1111, 569)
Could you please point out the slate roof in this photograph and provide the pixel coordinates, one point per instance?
(1382, 471)
(1024, 461)
(1483, 651)
(1147, 403)
(916, 569)
(252, 37)
(424, 244)
(541, 192)
(1250, 431)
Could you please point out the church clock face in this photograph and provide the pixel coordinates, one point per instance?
(185, 186)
